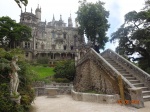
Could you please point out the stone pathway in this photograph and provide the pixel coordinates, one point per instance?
(65, 103)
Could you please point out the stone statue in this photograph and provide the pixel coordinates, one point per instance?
(14, 82)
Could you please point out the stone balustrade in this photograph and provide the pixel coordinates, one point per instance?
(137, 72)
(108, 68)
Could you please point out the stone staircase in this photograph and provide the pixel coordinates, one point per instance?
(130, 76)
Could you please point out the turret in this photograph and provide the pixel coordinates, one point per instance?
(38, 13)
(53, 18)
(70, 21)
(60, 18)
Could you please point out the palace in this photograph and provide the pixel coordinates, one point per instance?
(53, 40)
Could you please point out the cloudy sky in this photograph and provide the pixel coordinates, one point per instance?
(117, 9)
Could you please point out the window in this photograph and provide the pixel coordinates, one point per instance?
(42, 46)
(65, 47)
(27, 54)
(53, 47)
(36, 46)
(53, 34)
(64, 35)
(71, 47)
(27, 45)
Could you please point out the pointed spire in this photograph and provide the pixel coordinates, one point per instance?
(53, 18)
(38, 6)
(70, 21)
(31, 9)
(21, 10)
(60, 17)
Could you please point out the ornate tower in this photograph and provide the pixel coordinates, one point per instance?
(38, 13)
(70, 21)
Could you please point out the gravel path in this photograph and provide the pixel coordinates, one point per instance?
(64, 103)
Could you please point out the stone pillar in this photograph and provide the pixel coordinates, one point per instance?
(53, 55)
(136, 97)
(60, 55)
(72, 56)
(66, 56)
(121, 89)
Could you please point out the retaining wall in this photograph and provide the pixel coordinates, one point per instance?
(90, 97)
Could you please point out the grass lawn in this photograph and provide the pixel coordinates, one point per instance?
(43, 72)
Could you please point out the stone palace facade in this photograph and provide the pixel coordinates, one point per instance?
(53, 40)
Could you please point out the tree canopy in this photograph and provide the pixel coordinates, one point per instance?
(19, 2)
(134, 37)
(12, 33)
(92, 19)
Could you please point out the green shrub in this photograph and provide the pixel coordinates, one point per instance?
(65, 69)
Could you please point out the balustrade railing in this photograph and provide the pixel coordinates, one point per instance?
(137, 72)
(109, 68)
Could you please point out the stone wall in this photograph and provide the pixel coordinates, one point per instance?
(63, 88)
(91, 75)
(99, 98)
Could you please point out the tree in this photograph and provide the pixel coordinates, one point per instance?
(92, 19)
(19, 2)
(12, 33)
(134, 37)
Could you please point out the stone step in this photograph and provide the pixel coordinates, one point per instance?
(134, 81)
(130, 78)
(122, 70)
(146, 98)
(143, 88)
(118, 68)
(127, 75)
(114, 65)
(139, 85)
(145, 93)
(110, 61)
